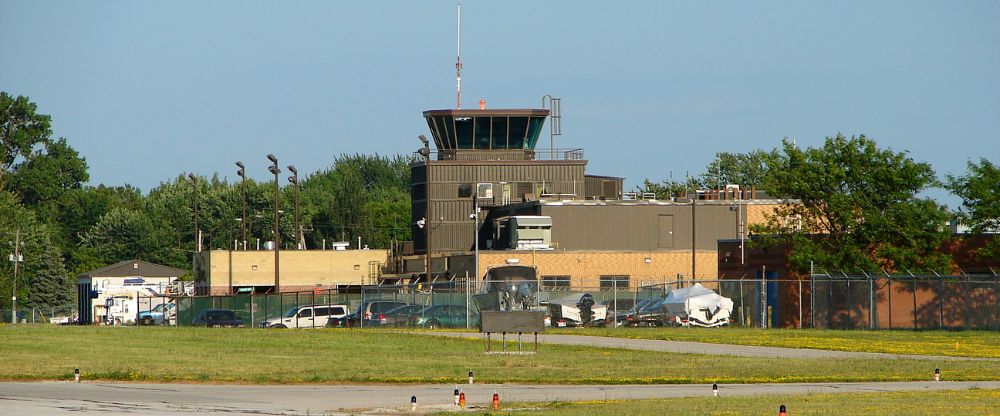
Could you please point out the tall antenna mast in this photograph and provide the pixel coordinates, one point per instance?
(458, 63)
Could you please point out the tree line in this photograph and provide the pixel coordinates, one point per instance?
(67, 228)
(863, 200)
(855, 206)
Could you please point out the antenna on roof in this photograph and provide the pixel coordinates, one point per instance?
(458, 62)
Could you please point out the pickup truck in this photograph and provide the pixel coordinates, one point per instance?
(159, 315)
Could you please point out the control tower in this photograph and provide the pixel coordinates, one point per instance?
(488, 158)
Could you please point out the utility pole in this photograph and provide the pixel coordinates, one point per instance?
(17, 257)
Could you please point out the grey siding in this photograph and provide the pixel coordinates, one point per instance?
(638, 227)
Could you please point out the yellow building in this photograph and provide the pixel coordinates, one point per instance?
(222, 272)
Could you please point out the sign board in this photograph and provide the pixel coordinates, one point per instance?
(244, 290)
(512, 321)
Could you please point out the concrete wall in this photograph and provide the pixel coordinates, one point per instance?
(300, 269)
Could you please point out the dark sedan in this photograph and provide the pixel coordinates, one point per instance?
(212, 318)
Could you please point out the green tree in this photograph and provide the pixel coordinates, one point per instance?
(46, 175)
(746, 169)
(360, 195)
(669, 188)
(852, 206)
(42, 279)
(124, 234)
(979, 189)
(22, 129)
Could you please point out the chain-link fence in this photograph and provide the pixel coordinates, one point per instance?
(914, 302)
(449, 304)
(39, 315)
(824, 301)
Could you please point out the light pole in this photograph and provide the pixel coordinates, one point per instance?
(243, 185)
(277, 236)
(426, 153)
(475, 230)
(17, 257)
(294, 179)
(194, 187)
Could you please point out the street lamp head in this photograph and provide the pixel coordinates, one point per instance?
(272, 158)
(293, 170)
(423, 139)
(240, 164)
(424, 152)
(191, 176)
(274, 169)
(293, 179)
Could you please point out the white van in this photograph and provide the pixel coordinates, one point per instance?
(311, 316)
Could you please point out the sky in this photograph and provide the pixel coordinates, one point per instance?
(147, 91)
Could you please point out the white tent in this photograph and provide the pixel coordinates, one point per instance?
(699, 306)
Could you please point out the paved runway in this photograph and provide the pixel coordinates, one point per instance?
(696, 347)
(56, 398)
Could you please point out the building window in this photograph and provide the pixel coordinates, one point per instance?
(555, 282)
(618, 282)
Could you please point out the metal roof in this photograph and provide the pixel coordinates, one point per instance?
(129, 268)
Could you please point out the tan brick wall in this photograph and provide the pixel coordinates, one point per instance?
(300, 269)
(757, 213)
(586, 267)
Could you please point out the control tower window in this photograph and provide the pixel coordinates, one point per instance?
(463, 132)
(534, 127)
(482, 139)
(518, 129)
(500, 132)
(446, 127)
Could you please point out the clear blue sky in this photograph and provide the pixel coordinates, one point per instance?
(148, 90)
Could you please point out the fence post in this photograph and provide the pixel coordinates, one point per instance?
(940, 303)
(763, 297)
(888, 282)
(743, 311)
(871, 302)
(812, 301)
(914, 279)
(800, 303)
(468, 325)
(850, 305)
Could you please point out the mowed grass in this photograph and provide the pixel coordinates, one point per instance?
(924, 403)
(947, 343)
(37, 352)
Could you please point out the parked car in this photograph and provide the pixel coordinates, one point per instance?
(444, 316)
(399, 316)
(218, 318)
(159, 315)
(648, 314)
(311, 316)
(371, 313)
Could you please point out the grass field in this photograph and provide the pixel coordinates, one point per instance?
(948, 343)
(29, 352)
(932, 403)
